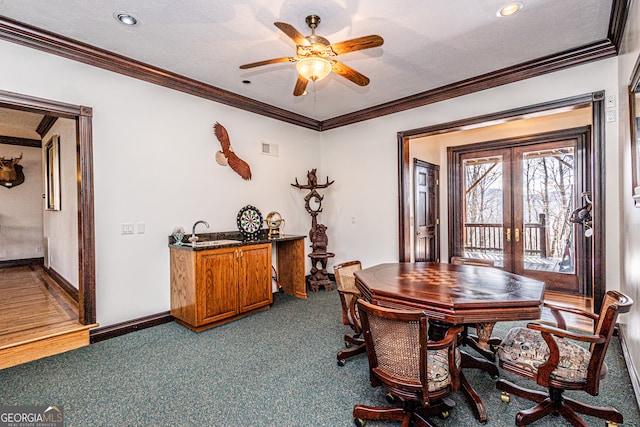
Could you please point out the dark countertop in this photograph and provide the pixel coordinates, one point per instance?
(230, 235)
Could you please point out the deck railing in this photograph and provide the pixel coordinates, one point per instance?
(487, 237)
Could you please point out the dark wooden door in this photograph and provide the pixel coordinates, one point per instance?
(426, 208)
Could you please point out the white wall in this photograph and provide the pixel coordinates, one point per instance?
(61, 227)
(154, 162)
(21, 207)
(629, 220)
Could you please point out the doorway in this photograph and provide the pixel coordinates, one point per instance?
(82, 116)
(594, 101)
(514, 200)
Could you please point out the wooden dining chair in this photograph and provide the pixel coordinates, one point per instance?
(418, 375)
(346, 284)
(554, 358)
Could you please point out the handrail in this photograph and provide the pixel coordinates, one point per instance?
(488, 237)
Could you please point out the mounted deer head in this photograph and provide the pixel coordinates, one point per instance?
(8, 168)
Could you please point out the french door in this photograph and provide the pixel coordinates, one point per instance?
(515, 208)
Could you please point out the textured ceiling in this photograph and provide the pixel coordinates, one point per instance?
(427, 44)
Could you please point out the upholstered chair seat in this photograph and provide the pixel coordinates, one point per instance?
(526, 350)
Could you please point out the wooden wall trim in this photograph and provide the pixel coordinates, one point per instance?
(21, 262)
(66, 286)
(46, 41)
(618, 21)
(86, 229)
(36, 38)
(112, 331)
(24, 142)
(45, 125)
(537, 67)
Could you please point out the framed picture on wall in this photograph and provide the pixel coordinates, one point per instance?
(634, 110)
(52, 174)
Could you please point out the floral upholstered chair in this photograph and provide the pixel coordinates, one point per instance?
(561, 360)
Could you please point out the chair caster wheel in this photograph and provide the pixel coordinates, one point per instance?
(348, 344)
(504, 396)
(341, 362)
(390, 398)
(611, 424)
(360, 422)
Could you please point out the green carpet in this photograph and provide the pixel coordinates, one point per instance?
(274, 368)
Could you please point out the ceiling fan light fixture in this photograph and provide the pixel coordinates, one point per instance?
(510, 9)
(313, 68)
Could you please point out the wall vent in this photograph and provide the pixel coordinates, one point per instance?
(269, 149)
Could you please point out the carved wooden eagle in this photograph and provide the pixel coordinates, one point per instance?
(227, 156)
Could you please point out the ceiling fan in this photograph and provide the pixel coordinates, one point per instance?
(315, 55)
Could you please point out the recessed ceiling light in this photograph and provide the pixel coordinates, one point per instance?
(510, 9)
(125, 18)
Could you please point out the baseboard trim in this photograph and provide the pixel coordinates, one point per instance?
(66, 286)
(633, 373)
(112, 331)
(21, 262)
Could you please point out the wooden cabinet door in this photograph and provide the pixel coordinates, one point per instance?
(254, 276)
(217, 287)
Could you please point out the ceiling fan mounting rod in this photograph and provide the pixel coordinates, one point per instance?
(312, 21)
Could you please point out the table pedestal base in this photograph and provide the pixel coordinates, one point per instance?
(437, 330)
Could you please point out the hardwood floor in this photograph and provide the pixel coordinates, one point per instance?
(37, 318)
(568, 300)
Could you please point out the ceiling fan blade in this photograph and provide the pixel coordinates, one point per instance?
(293, 34)
(301, 86)
(359, 43)
(268, 61)
(349, 73)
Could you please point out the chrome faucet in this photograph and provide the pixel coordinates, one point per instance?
(193, 237)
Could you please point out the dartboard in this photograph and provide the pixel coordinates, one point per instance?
(249, 221)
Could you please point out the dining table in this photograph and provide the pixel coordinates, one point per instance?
(451, 294)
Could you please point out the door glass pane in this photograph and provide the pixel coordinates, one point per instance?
(483, 219)
(548, 180)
